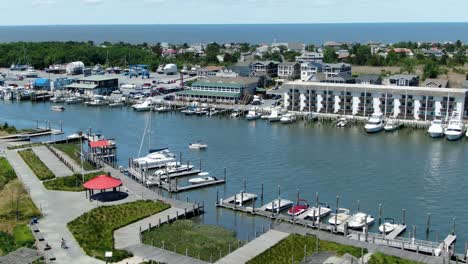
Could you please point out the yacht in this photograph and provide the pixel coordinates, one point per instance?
(145, 106)
(172, 168)
(454, 129)
(318, 211)
(359, 220)
(57, 108)
(198, 145)
(275, 115)
(116, 104)
(96, 102)
(244, 197)
(342, 215)
(253, 115)
(300, 207)
(392, 125)
(375, 123)
(278, 205)
(30, 73)
(388, 226)
(288, 118)
(159, 158)
(436, 130)
(342, 122)
(204, 177)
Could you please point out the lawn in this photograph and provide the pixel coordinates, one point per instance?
(71, 183)
(73, 151)
(6, 172)
(379, 258)
(94, 230)
(201, 240)
(292, 247)
(36, 165)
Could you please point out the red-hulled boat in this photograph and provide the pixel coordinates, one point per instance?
(300, 207)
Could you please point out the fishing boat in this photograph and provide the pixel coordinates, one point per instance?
(342, 122)
(253, 115)
(275, 115)
(436, 129)
(342, 215)
(454, 129)
(198, 145)
(204, 177)
(300, 207)
(145, 106)
(288, 118)
(375, 123)
(392, 125)
(359, 220)
(278, 205)
(388, 226)
(57, 108)
(320, 210)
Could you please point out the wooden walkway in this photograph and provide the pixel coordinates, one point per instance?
(254, 248)
(395, 233)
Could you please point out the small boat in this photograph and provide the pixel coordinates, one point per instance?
(162, 109)
(203, 179)
(436, 130)
(198, 145)
(278, 205)
(320, 211)
(388, 226)
(73, 100)
(342, 215)
(300, 207)
(235, 114)
(312, 117)
(57, 99)
(252, 115)
(188, 112)
(116, 104)
(359, 220)
(454, 130)
(375, 123)
(392, 125)
(275, 115)
(73, 136)
(244, 197)
(96, 102)
(145, 106)
(57, 108)
(342, 122)
(264, 117)
(172, 168)
(288, 118)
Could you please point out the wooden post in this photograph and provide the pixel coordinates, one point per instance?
(245, 185)
(453, 226)
(185, 213)
(261, 194)
(235, 202)
(336, 212)
(279, 198)
(253, 206)
(317, 200)
(242, 198)
(200, 164)
(217, 196)
(224, 174)
(380, 214)
(414, 232)
(366, 227)
(403, 216)
(180, 157)
(358, 205)
(428, 225)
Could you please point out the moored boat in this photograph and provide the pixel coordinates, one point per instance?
(252, 115)
(436, 129)
(198, 145)
(318, 211)
(375, 123)
(388, 226)
(392, 125)
(300, 207)
(203, 179)
(342, 122)
(57, 108)
(359, 220)
(288, 118)
(342, 215)
(454, 130)
(278, 205)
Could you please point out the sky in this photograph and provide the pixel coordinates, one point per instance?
(81, 12)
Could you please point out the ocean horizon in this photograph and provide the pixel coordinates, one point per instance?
(315, 33)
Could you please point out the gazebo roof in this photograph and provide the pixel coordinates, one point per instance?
(102, 182)
(99, 143)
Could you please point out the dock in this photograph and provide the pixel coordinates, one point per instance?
(395, 233)
(243, 197)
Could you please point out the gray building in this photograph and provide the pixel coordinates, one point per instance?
(369, 79)
(94, 85)
(267, 68)
(436, 83)
(289, 70)
(465, 84)
(403, 80)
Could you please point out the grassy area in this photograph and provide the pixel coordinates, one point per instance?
(94, 229)
(201, 240)
(36, 165)
(73, 151)
(379, 258)
(6, 172)
(28, 145)
(70, 183)
(292, 247)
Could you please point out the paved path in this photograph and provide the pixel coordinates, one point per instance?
(254, 248)
(72, 162)
(161, 255)
(52, 162)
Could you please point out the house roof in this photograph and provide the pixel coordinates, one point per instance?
(403, 76)
(266, 62)
(97, 78)
(287, 64)
(209, 93)
(102, 182)
(81, 86)
(441, 83)
(368, 77)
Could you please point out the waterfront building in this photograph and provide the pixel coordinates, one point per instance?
(94, 85)
(369, 79)
(219, 90)
(404, 102)
(289, 70)
(310, 69)
(41, 84)
(209, 71)
(307, 56)
(267, 68)
(402, 80)
(437, 83)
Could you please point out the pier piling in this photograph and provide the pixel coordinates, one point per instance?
(403, 216)
(380, 214)
(358, 205)
(453, 226)
(336, 213)
(428, 225)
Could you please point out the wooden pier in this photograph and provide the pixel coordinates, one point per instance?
(398, 230)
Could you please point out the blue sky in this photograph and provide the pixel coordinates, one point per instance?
(55, 12)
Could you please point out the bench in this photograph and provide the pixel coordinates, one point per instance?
(39, 236)
(48, 256)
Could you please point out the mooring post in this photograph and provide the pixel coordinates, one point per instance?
(242, 198)
(200, 164)
(245, 185)
(465, 253)
(185, 213)
(253, 206)
(366, 227)
(358, 205)
(336, 213)
(224, 174)
(180, 157)
(235, 202)
(261, 194)
(217, 196)
(453, 226)
(414, 233)
(403, 216)
(428, 225)
(279, 198)
(380, 214)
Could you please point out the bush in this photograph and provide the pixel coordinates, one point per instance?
(72, 150)
(23, 236)
(94, 230)
(36, 165)
(379, 258)
(71, 183)
(6, 172)
(7, 243)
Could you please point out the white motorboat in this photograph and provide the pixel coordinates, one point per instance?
(375, 123)
(156, 159)
(252, 115)
(244, 197)
(57, 99)
(204, 178)
(342, 215)
(145, 106)
(388, 226)
(116, 104)
(454, 129)
(73, 136)
(162, 109)
(96, 102)
(359, 220)
(342, 122)
(57, 108)
(319, 211)
(275, 115)
(235, 114)
(30, 73)
(436, 130)
(278, 205)
(264, 117)
(172, 168)
(392, 125)
(73, 100)
(198, 145)
(288, 118)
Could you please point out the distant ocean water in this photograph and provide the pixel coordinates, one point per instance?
(255, 33)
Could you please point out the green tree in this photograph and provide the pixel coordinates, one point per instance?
(310, 47)
(431, 69)
(290, 55)
(329, 55)
(408, 66)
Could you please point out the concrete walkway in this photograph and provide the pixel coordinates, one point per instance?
(254, 248)
(52, 162)
(72, 162)
(161, 255)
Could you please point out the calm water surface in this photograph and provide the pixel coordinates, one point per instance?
(405, 169)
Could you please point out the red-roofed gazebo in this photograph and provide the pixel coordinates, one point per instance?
(102, 182)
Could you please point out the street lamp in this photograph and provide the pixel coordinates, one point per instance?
(108, 255)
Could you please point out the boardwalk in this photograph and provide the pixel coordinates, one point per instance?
(254, 248)
(52, 162)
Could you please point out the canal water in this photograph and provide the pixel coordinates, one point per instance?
(405, 169)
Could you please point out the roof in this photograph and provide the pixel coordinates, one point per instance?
(41, 82)
(213, 68)
(368, 77)
(403, 76)
(232, 82)
(81, 85)
(208, 93)
(341, 76)
(288, 64)
(102, 182)
(266, 62)
(441, 83)
(99, 143)
(97, 78)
